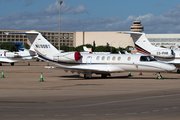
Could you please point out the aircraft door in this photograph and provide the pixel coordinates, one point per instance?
(89, 60)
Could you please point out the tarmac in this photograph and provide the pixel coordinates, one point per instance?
(69, 96)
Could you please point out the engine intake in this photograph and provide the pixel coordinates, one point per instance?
(67, 57)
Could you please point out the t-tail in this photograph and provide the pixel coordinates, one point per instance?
(19, 46)
(143, 46)
(46, 50)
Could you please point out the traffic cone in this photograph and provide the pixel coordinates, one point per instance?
(41, 79)
(159, 76)
(2, 76)
(129, 74)
(140, 73)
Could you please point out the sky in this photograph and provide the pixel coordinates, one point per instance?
(157, 16)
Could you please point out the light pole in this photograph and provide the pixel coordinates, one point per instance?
(60, 2)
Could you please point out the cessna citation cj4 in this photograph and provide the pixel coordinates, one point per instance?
(162, 54)
(89, 63)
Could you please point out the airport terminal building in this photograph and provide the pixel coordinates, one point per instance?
(114, 38)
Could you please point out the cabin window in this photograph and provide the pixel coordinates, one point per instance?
(97, 58)
(103, 58)
(108, 58)
(119, 58)
(114, 58)
(147, 58)
(129, 58)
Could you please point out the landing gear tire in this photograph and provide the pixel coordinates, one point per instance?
(0, 64)
(85, 77)
(12, 64)
(105, 75)
(178, 71)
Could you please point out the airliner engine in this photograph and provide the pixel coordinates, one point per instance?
(11, 54)
(166, 53)
(67, 57)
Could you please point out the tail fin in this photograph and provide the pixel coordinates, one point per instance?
(142, 43)
(41, 46)
(20, 46)
(86, 49)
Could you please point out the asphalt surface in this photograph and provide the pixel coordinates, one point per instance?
(69, 96)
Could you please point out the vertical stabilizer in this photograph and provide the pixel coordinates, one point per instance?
(19, 46)
(39, 44)
(43, 47)
(142, 43)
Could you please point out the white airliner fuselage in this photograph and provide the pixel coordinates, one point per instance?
(89, 63)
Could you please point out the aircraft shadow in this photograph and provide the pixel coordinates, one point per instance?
(115, 77)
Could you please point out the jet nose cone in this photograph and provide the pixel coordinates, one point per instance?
(168, 67)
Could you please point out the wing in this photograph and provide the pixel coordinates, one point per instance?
(99, 69)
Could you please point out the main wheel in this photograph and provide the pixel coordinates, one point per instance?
(12, 64)
(104, 75)
(85, 76)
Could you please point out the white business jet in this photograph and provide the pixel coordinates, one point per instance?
(167, 55)
(12, 57)
(89, 63)
(25, 53)
(8, 57)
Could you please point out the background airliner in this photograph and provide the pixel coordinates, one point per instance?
(89, 63)
(167, 55)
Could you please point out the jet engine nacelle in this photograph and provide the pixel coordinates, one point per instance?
(67, 57)
(11, 54)
(163, 53)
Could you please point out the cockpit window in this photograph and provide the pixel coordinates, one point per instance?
(147, 58)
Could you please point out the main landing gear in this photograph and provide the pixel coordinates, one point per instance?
(12, 64)
(105, 75)
(89, 75)
(159, 76)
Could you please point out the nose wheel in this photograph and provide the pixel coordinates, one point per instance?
(178, 70)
